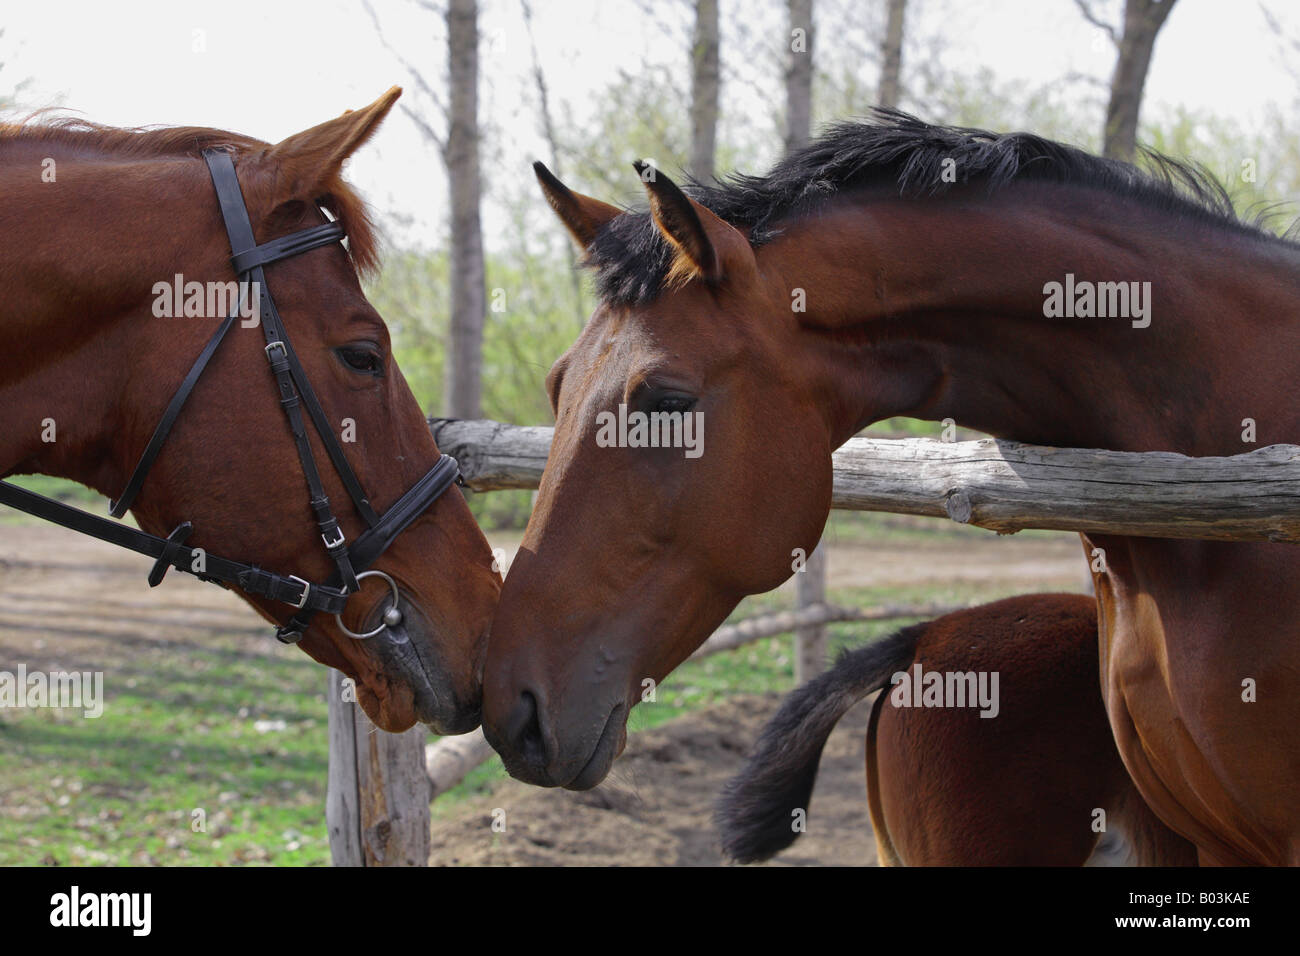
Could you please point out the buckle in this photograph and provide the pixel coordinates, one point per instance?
(277, 344)
(306, 591)
(331, 545)
(288, 634)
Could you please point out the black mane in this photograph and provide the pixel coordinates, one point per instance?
(631, 260)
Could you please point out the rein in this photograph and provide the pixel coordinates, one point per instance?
(351, 562)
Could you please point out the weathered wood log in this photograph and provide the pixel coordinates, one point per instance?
(449, 760)
(731, 636)
(377, 798)
(999, 485)
(494, 456)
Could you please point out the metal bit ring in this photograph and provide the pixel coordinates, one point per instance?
(392, 616)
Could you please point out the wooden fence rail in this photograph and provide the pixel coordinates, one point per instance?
(999, 485)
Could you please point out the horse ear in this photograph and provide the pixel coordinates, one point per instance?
(307, 164)
(704, 243)
(581, 215)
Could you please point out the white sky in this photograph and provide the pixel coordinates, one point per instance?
(271, 67)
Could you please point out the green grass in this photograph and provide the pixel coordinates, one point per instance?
(178, 734)
(873, 527)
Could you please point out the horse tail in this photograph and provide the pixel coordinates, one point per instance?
(756, 810)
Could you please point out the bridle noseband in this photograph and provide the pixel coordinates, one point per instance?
(351, 561)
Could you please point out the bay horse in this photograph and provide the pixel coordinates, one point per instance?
(1040, 784)
(895, 268)
(96, 224)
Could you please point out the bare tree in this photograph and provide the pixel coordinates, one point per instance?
(459, 148)
(548, 130)
(1142, 22)
(464, 390)
(1289, 43)
(799, 74)
(891, 55)
(11, 98)
(704, 90)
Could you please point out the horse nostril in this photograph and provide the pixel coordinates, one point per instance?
(525, 732)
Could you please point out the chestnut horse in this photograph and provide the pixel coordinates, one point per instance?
(1037, 783)
(898, 268)
(93, 221)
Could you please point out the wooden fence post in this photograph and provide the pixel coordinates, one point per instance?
(377, 799)
(810, 640)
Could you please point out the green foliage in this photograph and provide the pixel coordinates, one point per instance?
(637, 117)
(1259, 170)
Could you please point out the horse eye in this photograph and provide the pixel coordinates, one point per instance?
(674, 403)
(361, 359)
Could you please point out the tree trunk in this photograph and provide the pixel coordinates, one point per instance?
(1142, 21)
(798, 74)
(704, 90)
(557, 167)
(891, 55)
(464, 386)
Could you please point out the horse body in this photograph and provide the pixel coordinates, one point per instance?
(92, 219)
(859, 281)
(1221, 769)
(1040, 784)
(947, 787)
(1183, 624)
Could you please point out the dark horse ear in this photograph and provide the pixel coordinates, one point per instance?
(704, 243)
(581, 215)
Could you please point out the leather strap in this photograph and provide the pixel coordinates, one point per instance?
(136, 482)
(375, 541)
(286, 246)
(170, 550)
(240, 231)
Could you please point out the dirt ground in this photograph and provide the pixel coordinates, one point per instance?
(655, 808)
(65, 598)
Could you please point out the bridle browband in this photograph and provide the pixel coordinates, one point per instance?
(351, 561)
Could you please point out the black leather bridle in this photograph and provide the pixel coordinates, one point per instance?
(351, 561)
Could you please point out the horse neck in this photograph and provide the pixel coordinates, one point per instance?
(936, 310)
(75, 320)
